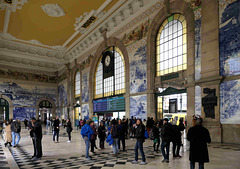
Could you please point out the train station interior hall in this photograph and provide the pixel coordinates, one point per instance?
(93, 61)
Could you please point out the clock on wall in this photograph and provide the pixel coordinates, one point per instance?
(107, 60)
(108, 64)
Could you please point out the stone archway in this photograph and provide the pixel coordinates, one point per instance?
(10, 105)
(169, 8)
(103, 46)
(53, 110)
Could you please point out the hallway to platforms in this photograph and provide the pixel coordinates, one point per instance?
(71, 155)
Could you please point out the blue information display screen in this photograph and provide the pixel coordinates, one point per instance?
(109, 104)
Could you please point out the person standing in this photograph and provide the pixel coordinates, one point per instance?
(166, 139)
(101, 134)
(8, 134)
(25, 123)
(176, 139)
(139, 134)
(48, 123)
(69, 130)
(199, 137)
(16, 129)
(122, 130)
(87, 133)
(156, 141)
(115, 135)
(56, 126)
(93, 138)
(37, 136)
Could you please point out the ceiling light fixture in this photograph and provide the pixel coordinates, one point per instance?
(8, 1)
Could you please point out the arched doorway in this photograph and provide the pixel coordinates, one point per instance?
(45, 110)
(4, 112)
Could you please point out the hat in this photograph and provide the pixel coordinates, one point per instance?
(165, 119)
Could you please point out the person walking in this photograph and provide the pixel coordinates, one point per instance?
(69, 130)
(166, 139)
(25, 123)
(87, 133)
(16, 129)
(56, 125)
(199, 137)
(8, 134)
(139, 134)
(101, 134)
(37, 137)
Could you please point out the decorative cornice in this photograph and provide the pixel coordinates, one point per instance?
(16, 4)
(53, 10)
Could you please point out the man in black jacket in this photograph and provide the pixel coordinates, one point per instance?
(140, 132)
(37, 136)
(56, 127)
(199, 137)
(166, 139)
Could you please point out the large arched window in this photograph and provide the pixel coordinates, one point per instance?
(171, 45)
(115, 84)
(77, 84)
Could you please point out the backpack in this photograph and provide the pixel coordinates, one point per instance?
(146, 135)
(17, 127)
(151, 135)
(115, 132)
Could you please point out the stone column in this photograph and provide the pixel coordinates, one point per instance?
(210, 63)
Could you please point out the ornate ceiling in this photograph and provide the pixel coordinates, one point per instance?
(45, 35)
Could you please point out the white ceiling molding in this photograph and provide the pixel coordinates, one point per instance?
(16, 4)
(112, 22)
(53, 10)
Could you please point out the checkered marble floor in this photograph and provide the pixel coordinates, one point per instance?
(3, 159)
(102, 160)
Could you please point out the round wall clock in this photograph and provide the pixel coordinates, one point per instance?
(107, 60)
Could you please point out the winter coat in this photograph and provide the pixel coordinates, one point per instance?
(140, 132)
(8, 133)
(101, 132)
(156, 132)
(94, 135)
(87, 131)
(37, 130)
(109, 140)
(198, 137)
(56, 123)
(69, 127)
(166, 134)
(176, 134)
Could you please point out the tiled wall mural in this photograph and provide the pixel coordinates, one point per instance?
(62, 93)
(229, 43)
(230, 102)
(198, 100)
(22, 113)
(27, 96)
(138, 70)
(198, 44)
(138, 106)
(85, 87)
(85, 111)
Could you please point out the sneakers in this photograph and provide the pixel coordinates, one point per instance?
(143, 163)
(165, 161)
(87, 158)
(36, 158)
(134, 162)
(68, 141)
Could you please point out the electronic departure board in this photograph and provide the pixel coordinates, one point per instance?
(111, 104)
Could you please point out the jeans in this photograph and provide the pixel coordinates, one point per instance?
(192, 165)
(54, 134)
(115, 146)
(69, 136)
(163, 146)
(14, 135)
(121, 138)
(87, 142)
(139, 145)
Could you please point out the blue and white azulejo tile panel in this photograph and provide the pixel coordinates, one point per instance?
(85, 88)
(22, 113)
(85, 111)
(138, 106)
(230, 102)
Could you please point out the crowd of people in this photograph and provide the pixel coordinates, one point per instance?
(116, 131)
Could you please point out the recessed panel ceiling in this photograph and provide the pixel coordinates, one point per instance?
(32, 23)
